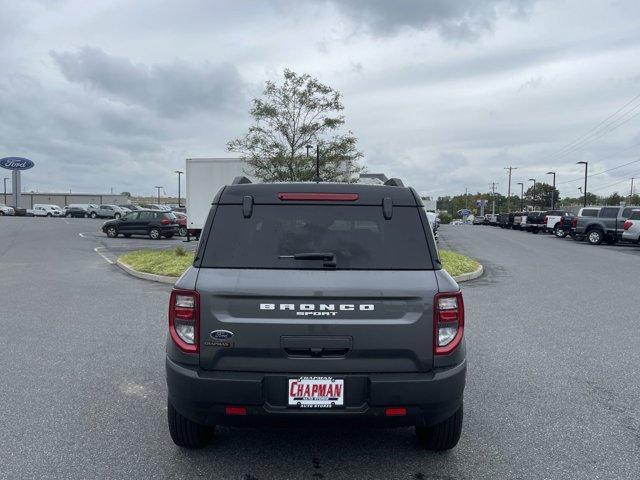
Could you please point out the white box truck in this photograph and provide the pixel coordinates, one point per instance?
(205, 176)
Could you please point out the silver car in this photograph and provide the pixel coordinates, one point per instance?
(6, 210)
(107, 211)
(631, 232)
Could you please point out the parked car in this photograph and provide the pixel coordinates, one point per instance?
(6, 210)
(155, 206)
(478, 220)
(106, 211)
(76, 210)
(44, 210)
(503, 220)
(553, 219)
(533, 221)
(143, 222)
(131, 207)
(517, 220)
(631, 228)
(606, 227)
(564, 226)
(298, 293)
(182, 223)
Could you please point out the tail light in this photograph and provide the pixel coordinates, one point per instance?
(448, 322)
(545, 219)
(627, 224)
(165, 221)
(574, 222)
(184, 319)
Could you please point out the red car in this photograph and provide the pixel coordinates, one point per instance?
(182, 223)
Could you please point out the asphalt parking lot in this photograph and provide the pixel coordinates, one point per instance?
(553, 347)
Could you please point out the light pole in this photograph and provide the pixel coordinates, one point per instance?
(308, 147)
(5, 189)
(534, 192)
(509, 189)
(179, 173)
(553, 190)
(521, 194)
(158, 193)
(586, 167)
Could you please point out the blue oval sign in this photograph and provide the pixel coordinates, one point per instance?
(16, 163)
(221, 334)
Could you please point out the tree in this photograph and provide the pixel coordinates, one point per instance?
(614, 199)
(299, 112)
(125, 194)
(542, 197)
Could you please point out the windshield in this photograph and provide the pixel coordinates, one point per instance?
(358, 236)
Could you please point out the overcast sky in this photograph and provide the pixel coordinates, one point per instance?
(442, 93)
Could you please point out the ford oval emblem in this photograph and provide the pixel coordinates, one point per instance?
(221, 335)
(16, 163)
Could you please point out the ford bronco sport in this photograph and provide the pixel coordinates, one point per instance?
(316, 303)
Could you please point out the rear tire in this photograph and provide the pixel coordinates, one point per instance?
(442, 436)
(154, 233)
(559, 232)
(93, 215)
(112, 232)
(185, 433)
(86, 215)
(595, 237)
(182, 231)
(117, 216)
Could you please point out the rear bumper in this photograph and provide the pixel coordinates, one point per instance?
(202, 396)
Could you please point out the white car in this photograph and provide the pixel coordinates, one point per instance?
(6, 210)
(631, 227)
(43, 210)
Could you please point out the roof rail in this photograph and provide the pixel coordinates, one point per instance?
(394, 182)
(239, 180)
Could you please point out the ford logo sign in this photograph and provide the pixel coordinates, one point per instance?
(221, 335)
(16, 163)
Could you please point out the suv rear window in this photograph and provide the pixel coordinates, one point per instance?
(359, 236)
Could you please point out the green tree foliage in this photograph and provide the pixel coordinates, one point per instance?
(542, 198)
(298, 112)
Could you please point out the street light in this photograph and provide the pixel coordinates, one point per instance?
(158, 193)
(521, 194)
(553, 190)
(308, 147)
(534, 192)
(586, 167)
(179, 173)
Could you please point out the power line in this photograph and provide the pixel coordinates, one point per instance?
(599, 173)
(598, 131)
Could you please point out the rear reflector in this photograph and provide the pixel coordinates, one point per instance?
(235, 410)
(324, 197)
(395, 412)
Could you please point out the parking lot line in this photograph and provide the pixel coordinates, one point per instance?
(98, 251)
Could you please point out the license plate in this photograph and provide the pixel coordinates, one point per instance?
(316, 392)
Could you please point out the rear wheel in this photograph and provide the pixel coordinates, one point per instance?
(559, 232)
(112, 232)
(182, 231)
(154, 233)
(94, 215)
(49, 215)
(86, 215)
(595, 237)
(117, 216)
(443, 435)
(185, 433)
(534, 230)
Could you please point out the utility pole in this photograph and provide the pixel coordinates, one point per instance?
(553, 190)
(158, 193)
(509, 190)
(521, 195)
(630, 194)
(317, 179)
(466, 201)
(493, 197)
(586, 167)
(179, 173)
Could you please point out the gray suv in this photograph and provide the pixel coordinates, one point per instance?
(607, 225)
(316, 303)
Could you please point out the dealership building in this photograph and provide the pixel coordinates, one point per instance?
(28, 200)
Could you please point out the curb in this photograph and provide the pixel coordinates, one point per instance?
(471, 275)
(146, 276)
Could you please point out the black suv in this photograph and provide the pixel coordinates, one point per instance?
(143, 222)
(316, 303)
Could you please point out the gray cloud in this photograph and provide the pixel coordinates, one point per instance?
(454, 20)
(173, 88)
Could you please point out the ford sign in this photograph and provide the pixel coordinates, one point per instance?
(221, 335)
(16, 163)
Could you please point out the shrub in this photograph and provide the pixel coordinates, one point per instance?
(180, 251)
(445, 218)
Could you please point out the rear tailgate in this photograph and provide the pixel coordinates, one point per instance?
(312, 321)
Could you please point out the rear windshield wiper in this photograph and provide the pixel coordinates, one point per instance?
(328, 258)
